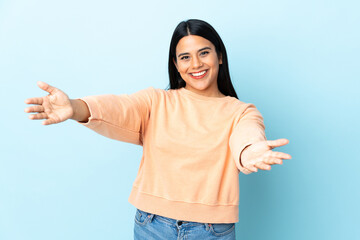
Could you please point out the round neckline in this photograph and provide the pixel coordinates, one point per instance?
(199, 96)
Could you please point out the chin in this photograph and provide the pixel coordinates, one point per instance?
(199, 88)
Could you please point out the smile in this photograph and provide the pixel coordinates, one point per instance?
(198, 75)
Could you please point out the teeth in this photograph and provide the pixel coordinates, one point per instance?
(198, 74)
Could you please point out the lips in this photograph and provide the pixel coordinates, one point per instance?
(198, 75)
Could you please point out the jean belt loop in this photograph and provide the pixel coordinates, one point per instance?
(207, 225)
(151, 216)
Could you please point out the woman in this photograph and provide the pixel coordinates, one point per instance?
(196, 137)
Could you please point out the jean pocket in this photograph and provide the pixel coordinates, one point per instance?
(221, 229)
(142, 217)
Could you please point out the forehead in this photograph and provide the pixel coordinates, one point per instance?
(192, 43)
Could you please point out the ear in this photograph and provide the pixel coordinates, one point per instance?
(175, 64)
(220, 58)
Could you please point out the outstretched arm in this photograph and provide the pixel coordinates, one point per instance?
(56, 107)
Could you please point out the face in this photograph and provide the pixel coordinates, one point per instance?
(198, 65)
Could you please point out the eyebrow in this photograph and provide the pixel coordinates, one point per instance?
(198, 51)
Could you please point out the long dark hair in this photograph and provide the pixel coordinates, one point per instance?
(205, 30)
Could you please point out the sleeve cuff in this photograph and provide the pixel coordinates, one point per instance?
(238, 149)
(95, 114)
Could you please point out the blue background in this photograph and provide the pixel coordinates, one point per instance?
(297, 61)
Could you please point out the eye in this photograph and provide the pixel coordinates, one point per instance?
(184, 57)
(204, 53)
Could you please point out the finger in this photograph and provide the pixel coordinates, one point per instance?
(36, 100)
(37, 108)
(251, 168)
(48, 122)
(277, 143)
(272, 161)
(38, 116)
(246, 171)
(46, 87)
(280, 155)
(262, 166)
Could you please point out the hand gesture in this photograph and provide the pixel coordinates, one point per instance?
(260, 155)
(55, 107)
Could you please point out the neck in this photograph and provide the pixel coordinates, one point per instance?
(215, 93)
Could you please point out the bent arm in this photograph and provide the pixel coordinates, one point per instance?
(249, 130)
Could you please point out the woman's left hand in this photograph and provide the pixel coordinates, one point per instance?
(260, 155)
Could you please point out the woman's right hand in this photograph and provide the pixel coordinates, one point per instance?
(55, 107)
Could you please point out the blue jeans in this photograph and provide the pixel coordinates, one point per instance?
(148, 226)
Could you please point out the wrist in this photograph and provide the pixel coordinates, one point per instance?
(73, 105)
(81, 112)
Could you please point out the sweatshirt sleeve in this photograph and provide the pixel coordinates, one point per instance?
(121, 117)
(249, 129)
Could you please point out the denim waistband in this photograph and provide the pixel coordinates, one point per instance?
(171, 221)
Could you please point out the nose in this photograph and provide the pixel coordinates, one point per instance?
(196, 62)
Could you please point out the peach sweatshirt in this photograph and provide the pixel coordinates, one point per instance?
(191, 147)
